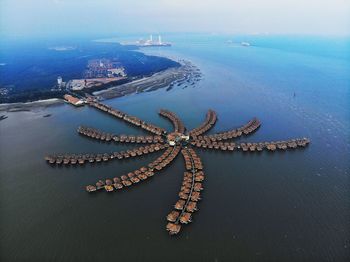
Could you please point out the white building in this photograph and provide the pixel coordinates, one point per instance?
(59, 81)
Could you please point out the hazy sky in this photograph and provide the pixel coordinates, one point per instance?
(62, 17)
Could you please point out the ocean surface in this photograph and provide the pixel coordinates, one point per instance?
(282, 206)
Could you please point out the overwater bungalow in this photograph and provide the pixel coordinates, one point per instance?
(197, 187)
(173, 228)
(186, 218)
(180, 204)
(185, 190)
(271, 147)
(105, 157)
(134, 180)
(150, 173)
(172, 216)
(99, 184)
(191, 207)
(183, 195)
(118, 186)
(199, 178)
(91, 188)
(195, 196)
(98, 158)
(109, 188)
(126, 183)
(116, 179)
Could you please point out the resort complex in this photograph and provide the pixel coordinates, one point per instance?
(172, 144)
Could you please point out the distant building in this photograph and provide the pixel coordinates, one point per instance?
(116, 72)
(77, 84)
(150, 42)
(59, 81)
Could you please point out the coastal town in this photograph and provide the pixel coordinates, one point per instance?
(82, 69)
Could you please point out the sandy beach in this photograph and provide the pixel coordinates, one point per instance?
(187, 74)
(13, 107)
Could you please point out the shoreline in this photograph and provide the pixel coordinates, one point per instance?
(27, 106)
(187, 74)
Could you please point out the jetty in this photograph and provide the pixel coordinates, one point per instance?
(189, 193)
(205, 126)
(170, 144)
(178, 125)
(128, 118)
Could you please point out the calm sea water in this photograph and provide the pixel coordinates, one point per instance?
(285, 206)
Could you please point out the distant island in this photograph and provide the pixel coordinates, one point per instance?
(84, 69)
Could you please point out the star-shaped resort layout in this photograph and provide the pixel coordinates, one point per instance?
(172, 144)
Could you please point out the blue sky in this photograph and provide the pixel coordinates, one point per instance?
(98, 17)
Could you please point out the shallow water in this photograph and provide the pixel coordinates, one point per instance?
(283, 206)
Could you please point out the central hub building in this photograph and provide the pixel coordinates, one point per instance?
(176, 138)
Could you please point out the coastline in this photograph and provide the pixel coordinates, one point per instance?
(27, 106)
(187, 74)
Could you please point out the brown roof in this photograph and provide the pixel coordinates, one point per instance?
(72, 99)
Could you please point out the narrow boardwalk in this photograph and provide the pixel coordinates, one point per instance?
(109, 137)
(137, 175)
(170, 144)
(209, 122)
(178, 125)
(128, 118)
(252, 147)
(73, 159)
(189, 193)
(246, 129)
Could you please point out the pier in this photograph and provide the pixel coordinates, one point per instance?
(137, 175)
(178, 125)
(209, 122)
(128, 118)
(189, 193)
(246, 129)
(73, 159)
(252, 147)
(171, 143)
(109, 137)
